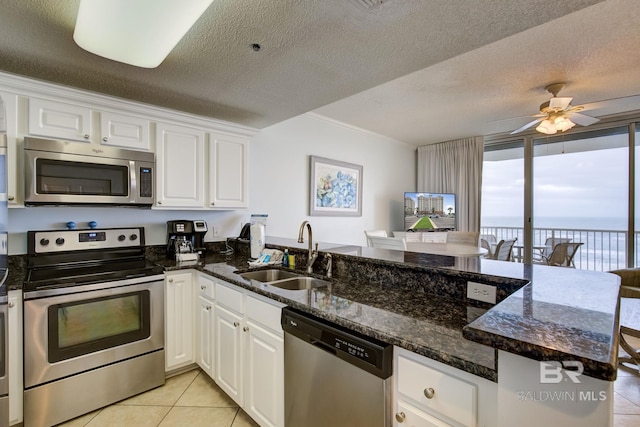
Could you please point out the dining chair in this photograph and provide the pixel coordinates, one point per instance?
(503, 250)
(463, 237)
(487, 241)
(549, 244)
(562, 254)
(376, 233)
(388, 243)
(629, 333)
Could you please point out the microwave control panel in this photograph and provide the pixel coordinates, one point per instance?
(146, 182)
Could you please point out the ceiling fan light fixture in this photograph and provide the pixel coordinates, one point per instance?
(563, 123)
(547, 127)
(140, 33)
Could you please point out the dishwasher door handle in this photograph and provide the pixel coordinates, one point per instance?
(323, 346)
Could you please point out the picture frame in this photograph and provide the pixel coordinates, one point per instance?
(335, 188)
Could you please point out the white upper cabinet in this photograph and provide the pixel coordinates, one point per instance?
(180, 166)
(124, 131)
(14, 151)
(59, 120)
(186, 174)
(52, 119)
(227, 171)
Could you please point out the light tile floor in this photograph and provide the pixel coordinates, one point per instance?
(626, 399)
(189, 399)
(193, 399)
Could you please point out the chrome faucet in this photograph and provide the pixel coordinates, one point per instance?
(311, 257)
(329, 264)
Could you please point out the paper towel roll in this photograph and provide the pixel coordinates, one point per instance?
(257, 240)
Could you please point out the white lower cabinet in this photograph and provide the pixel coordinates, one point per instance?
(178, 319)
(249, 352)
(15, 334)
(205, 323)
(429, 393)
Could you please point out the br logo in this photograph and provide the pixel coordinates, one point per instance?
(553, 372)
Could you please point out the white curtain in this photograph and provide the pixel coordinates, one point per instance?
(455, 167)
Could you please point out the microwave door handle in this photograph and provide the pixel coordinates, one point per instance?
(133, 179)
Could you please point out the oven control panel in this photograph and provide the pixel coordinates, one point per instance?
(40, 242)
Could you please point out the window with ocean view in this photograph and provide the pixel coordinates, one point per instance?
(579, 193)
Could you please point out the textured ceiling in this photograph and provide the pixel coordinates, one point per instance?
(418, 71)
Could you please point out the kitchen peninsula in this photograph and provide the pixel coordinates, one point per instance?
(419, 303)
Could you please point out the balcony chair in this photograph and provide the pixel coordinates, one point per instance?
(377, 233)
(388, 243)
(463, 237)
(503, 250)
(549, 244)
(486, 242)
(562, 255)
(629, 317)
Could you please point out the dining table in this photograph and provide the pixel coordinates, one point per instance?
(518, 257)
(451, 249)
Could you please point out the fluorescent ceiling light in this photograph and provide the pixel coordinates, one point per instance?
(136, 32)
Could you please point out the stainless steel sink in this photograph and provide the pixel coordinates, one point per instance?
(268, 275)
(284, 279)
(299, 283)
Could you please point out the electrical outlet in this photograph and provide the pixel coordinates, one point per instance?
(216, 231)
(481, 292)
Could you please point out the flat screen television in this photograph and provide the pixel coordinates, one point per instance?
(429, 211)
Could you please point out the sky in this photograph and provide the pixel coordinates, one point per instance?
(576, 183)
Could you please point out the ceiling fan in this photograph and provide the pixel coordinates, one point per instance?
(558, 114)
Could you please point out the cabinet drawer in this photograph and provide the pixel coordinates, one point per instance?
(229, 297)
(408, 416)
(264, 313)
(207, 287)
(451, 397)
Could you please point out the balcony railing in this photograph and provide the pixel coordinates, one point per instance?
(603, 250)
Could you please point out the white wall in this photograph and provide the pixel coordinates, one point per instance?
(279, 168)
(278, 186)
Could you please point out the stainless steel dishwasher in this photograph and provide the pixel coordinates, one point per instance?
(333, 376)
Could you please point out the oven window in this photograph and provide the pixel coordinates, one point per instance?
(95, 324)
(93, 179)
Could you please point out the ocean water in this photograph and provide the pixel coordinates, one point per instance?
(561, 222)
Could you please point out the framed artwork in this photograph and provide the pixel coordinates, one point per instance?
(335, 188)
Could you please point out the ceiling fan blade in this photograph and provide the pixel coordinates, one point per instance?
(558, 104)
(582, 119)
(527, 126)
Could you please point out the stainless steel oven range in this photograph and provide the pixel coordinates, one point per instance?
(93, 322)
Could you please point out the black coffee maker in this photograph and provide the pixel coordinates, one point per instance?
(185, 236)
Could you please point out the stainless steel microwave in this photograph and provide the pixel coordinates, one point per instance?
(73, 173)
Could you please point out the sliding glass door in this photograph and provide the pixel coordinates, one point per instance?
(580, 195)
(578, 187)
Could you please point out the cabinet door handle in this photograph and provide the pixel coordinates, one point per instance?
(203, 287)
(246, 329)
(208, 307)
(11, 305)
(429, 393)
(400, 417)
(105, 139)
(170, 280)
(11, 198)
(236, 324)
(86, 136)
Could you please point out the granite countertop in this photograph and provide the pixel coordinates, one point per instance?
(423, 323)
(543, 313)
